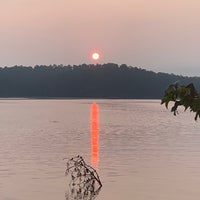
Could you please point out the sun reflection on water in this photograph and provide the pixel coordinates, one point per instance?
(94, 128)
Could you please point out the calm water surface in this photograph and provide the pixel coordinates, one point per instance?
(145, 153)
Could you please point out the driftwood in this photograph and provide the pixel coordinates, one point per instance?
(84, 182)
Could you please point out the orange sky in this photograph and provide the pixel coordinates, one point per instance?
(159, 35)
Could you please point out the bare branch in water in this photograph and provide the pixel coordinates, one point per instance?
(84, 181)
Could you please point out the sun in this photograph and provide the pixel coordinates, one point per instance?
(95, 55)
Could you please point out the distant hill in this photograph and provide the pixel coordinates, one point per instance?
(87, 81)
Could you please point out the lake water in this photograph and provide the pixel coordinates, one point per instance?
(144, 152)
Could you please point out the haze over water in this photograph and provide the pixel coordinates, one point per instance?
(144, 152)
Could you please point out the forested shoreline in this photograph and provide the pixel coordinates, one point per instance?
(86, 81)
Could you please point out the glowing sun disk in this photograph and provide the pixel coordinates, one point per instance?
(95, 56)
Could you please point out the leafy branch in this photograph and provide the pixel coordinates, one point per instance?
(186, 96)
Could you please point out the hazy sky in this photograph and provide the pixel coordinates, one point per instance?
(158, 35)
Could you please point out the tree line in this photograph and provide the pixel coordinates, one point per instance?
(86, 81)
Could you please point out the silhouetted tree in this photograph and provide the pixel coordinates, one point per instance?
(86, 81)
